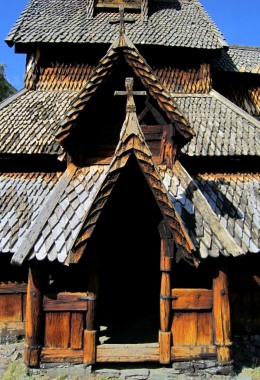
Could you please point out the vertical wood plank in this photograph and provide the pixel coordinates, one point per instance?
(221, 312)
(10, 307)
(33, 327)
(204, 331)
(76, 335)
(165, 347)
(57, 329)
(24, 307)
(89, 351)
(184, 328)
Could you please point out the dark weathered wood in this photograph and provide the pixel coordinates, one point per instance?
(89, 351)
(33, 316)
(131, 353)
(58, 355)
(65, 301)
(165, 347)
(192, 299)
(93, 288)
(196, 352)
(57, 329)
(221, 312)
(12, 288)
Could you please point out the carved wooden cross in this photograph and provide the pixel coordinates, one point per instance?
(121, 20)
(130, 104)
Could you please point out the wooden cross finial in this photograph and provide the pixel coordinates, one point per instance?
(121, 20)
(130, 104)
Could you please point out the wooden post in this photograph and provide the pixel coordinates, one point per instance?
(33, 326)
(221, 312)
(165, 298)
(90, 334)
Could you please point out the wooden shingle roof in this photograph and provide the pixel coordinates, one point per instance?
(242, 59)
(220, 211)
(179, 23)
(69, 215)
(221, 128)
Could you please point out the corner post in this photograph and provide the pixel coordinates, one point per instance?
(221, 312)
(165, 297)
(33, 327)
(90, 334)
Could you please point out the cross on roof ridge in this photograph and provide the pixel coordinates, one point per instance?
(130, 103)
(121, 20)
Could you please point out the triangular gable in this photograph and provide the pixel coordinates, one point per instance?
(123, 46)
(132, 142)
(53, 236)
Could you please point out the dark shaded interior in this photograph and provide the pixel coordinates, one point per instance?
(127, 244)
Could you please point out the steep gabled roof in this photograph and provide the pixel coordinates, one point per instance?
(29, 119)
(242, 59)
(70, 215)
(123, 46)
(179, 23)
(221, 128)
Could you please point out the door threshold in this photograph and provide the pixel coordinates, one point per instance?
(127, 353)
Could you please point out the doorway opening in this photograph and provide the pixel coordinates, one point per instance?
(127, 243)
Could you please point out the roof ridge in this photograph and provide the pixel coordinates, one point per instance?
(128, 144)
(211, 23)
(11, 98)
(234, 107)
(244, 47)
(17, 25)
(142, 69)
(47, 207)
(217, 227)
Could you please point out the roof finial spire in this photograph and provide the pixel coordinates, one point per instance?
(130, 103)
(121, 22)
(122, 19)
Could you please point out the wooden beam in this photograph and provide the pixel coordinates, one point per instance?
(127, 353)
(33, 317)
(221, 312)
(192, 299)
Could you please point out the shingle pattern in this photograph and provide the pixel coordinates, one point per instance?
(243, 59)
(75, 214)
(179, 23)
(22, 195)
(201, 222)
(220, 129)
(132, 141)
(185, 80)
(61, 76)
(61, 229)
(28, 122)
(244, 93)
(235, 199)
(123, 46)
